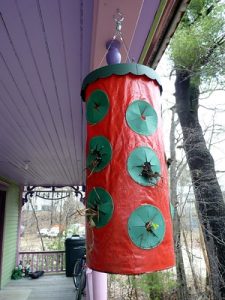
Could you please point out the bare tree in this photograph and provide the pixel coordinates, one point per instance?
(181, 276)
(196, 50)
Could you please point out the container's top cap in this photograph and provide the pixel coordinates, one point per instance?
(119, 69)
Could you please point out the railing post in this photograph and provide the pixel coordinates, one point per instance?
(48, 261)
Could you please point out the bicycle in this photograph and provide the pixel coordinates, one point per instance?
(79, 275)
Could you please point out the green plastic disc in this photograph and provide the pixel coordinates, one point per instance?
(99, 201)
(141, 117)
(172, 210)
(99, 153)
(97, 106)
(146, 227)
(143, 166)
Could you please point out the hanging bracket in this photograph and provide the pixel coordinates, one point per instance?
(118, 18)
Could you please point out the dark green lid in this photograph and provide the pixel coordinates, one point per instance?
(99, 201)
(97, 106)
(99, 153)
(119, 69)
(146, 226)
(143, 166)
(141, 117)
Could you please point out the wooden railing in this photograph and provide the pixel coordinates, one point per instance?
(48, 261)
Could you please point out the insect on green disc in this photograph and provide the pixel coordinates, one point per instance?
(146, 226)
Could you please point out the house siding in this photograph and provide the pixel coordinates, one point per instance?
(10, 233)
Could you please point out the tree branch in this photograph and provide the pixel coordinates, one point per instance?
(217, 44)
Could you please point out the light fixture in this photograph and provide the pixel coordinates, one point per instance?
(26, 165)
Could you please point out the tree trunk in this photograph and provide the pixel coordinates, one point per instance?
(181, 276)
(190, 258)
(208, 290)
(37, 224)
(209, 200)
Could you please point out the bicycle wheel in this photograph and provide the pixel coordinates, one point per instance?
(78, 294)
(77, 273)
(82, 284)
(83, 279)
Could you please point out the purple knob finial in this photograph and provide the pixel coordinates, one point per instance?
(113, 56)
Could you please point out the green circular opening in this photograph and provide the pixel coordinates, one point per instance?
(146, 227)
(97, 106)
(100, 207)
(99, 154)
(143, 166)
(141, 117)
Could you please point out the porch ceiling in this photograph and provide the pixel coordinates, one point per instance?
(46, 48)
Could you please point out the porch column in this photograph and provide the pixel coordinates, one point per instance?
(89, 286)
(99, 285)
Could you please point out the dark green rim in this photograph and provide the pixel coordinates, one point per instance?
(146, 226)
(119, 69)
(100, 200)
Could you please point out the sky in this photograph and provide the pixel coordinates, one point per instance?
(207, 117)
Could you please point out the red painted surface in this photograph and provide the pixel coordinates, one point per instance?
(110, 248)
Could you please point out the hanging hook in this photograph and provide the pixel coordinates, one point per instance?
(118, 18)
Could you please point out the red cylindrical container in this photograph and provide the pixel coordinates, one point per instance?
(129, 229)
